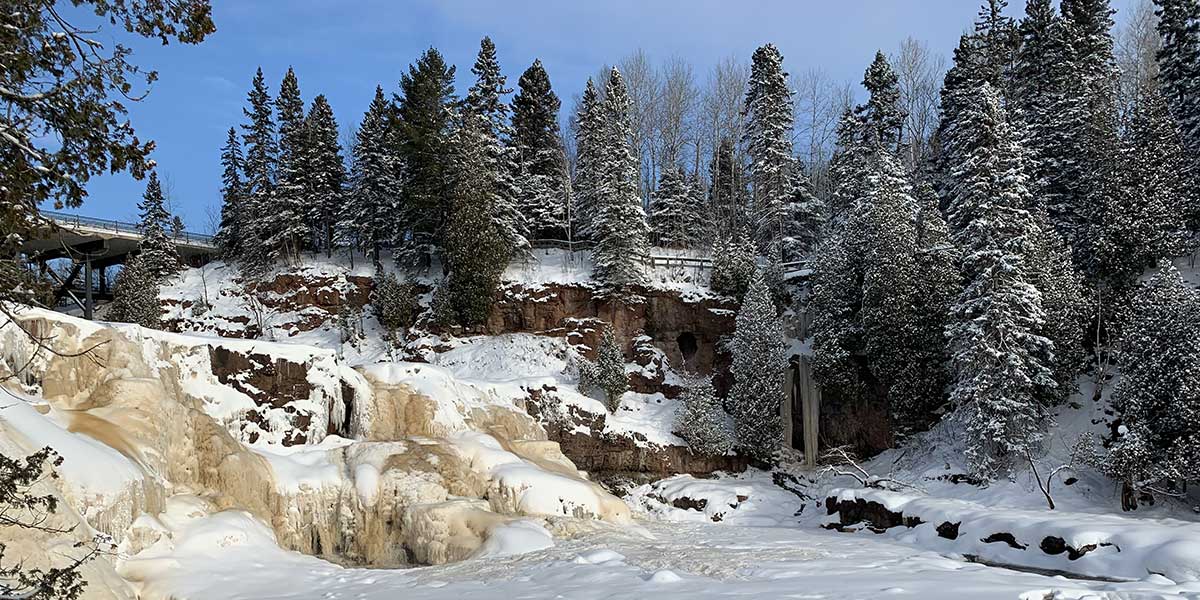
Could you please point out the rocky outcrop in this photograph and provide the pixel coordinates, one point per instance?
(583, 438)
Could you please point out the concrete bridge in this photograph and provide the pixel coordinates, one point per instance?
(92, 245)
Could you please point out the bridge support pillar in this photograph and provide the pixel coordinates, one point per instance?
(89, 303)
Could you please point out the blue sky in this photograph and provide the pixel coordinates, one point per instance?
(343, 49)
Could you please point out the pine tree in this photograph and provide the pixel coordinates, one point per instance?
(368, 217)
(260, 147)
(670, 210)
(727, 193)
(996, 348)
(589, 159)
(1040, 80)
(422, 125)
(733, 264)
(882, 115)
(543, 181)
(759, 360)
(1179, 66)
(325, 173)
(850, 164)
(835, 295)
(805, 215)
(769, 116)
(396, 305)
(1062, 292)
(159, 257)
(607, 373)
(704, 424)
(475, 245)
(135, 295)
(233, 199)
(619, 223)
(1158, 395)
(999, 40)
(288, 222)
(485, 100)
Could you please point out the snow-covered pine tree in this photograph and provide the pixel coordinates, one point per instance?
(367, 218)
(422, 123)
(670, 210)
(835, 296)
(805, 217)
(289, 225)
(607, 373)
(1065, 307)
(395, 304)
(233, 199)
(727, 193)
(699, 218)
(1040, 77)
(475, 244)
(1158, 395)
(536, 136)
(589, 159)
(485, 99)
(619, 223)
(999, 40)
(759, 359)
(1179, 65)
(882, 116)
(850, 164)
(996, 346)
(325, 174)
(258, 140)
(157, 250)
(1145, 219)
(704, 424)
(769, 115)
(135, 295)
(734, 264)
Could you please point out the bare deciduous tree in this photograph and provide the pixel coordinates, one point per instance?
(675, 117)
(1136, 43)
(919, 71)
(721, 105)
(819, 103)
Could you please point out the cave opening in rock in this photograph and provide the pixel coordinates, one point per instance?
(687, 345)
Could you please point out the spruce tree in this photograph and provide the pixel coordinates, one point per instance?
(607, 373)
(325, 174)
(805, 215)
(288, 221)
(422, 126)
(1179, 66)
(135, 295)
(1158, 395)
(618, 223)
(733, 265)
(759, 360)
(543, 181)
(882, 115)
(769, 116)
(589, 159)
(727, 193)
(704, 424)
(850, 164)
(258, 140)
(995, 342)
(368, 218)
(233, 199)
(670, 210)
(1040, 80)
(999, 39)
(159, 257)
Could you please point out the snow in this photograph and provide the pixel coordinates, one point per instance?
(746, 499)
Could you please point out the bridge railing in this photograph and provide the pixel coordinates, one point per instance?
(650, 260)
(77, 221)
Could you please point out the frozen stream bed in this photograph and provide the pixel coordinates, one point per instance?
(226, 556)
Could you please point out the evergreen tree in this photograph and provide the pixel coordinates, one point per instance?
(769, 116)
(670, 210)
(485, 99)
(368, 217)
(607, 373)
(759, 360)
(543, 180)
(157, 250)
(996, 348)
(1179, 66)
(850, 164)
(999, 39)
(475, 246)
(135, 295)
(733, 265)
(396, 305)
(1158, 395)
(325, 173)
(589, 159)
(233, 199)
(727, 193)
(618, 222)
(422, 126)
(882, 115)
(805, 215)
(1040, 80)
(835, 296)
(288, 220)
(1062, 293)
(704, 424)
(261, 150)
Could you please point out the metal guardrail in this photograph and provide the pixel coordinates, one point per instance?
(77, 221)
